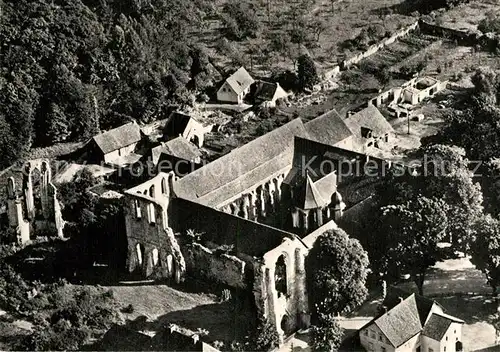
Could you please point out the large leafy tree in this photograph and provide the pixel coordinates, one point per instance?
(327, 334)
(337, 268)
(485, 249)
(405, 240)
(307, 72)
(444, 173)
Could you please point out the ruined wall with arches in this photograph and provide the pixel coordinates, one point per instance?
(280, 283)
(153, 250)
(33, 208)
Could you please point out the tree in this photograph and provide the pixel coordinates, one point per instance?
(444, 174)
(326, 333)
(406, 238)
(57, 125)
(307, 73)
(485, 250)
(265, 337)
(337, 267)
(280, 43)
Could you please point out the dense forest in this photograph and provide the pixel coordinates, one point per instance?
(72, 67)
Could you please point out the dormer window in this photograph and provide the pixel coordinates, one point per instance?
(366, 132)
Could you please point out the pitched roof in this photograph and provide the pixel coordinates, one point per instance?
(118, 137)
(177, 123)
(309, 197)
(181, 148)
(266, 91)
(436, 327)
(370, 117)
(242, 168)
(328, 128)
(240, 80)
(327, 186)
(400, 323)
(424, 305)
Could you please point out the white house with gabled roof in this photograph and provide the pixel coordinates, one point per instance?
(415, 324)
(235, 87)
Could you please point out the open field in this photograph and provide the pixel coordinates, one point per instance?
(466, 17)
(157, 305)
(340, 21)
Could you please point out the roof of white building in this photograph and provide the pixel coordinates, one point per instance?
(240, 80)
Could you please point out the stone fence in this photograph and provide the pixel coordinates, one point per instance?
(346, 64)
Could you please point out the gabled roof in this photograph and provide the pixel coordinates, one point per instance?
(437, 326)
(177, 123)
(181, 148)
(118, 137)
(242, 168)
(328, 129)
(309, 197)
(371, 118)
(424, 305)
(400, 323)
(266, 91)
(240, 80)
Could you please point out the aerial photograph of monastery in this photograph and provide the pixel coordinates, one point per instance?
(250, 175)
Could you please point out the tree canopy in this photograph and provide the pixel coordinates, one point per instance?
(485, 249)
(70, 68)
(406, 237)
(337, 268)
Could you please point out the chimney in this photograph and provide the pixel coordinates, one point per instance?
(196, 338)
(401, 299)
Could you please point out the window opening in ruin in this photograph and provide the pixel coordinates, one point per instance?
(155, 256)
(280, 276)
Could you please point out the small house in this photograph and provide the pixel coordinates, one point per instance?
(370, 126)
(180, 124)
(414, 324)
(115, 146)
(235, 87)
(267, 93)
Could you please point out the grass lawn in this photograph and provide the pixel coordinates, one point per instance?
(157, 305)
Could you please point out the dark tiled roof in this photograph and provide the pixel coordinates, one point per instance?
(181, 148)
(118, 138)
(240, 80)
(265, 91)
(242, 168)
(370, 117)
(400, 323)
(177, 123)
(436, 327)
(328, 129)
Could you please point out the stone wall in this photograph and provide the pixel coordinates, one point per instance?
(247, 236)
(288, 311)
(462, 37)
(221, 268)
(153, 250)
(346, 64)
(33, 212)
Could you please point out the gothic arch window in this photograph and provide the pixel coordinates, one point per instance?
(140, 253)
(164, 187)
(137, 206)
(280, 279)
(155, 256)
(151, 213)
(170, 265)
(152, 191)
